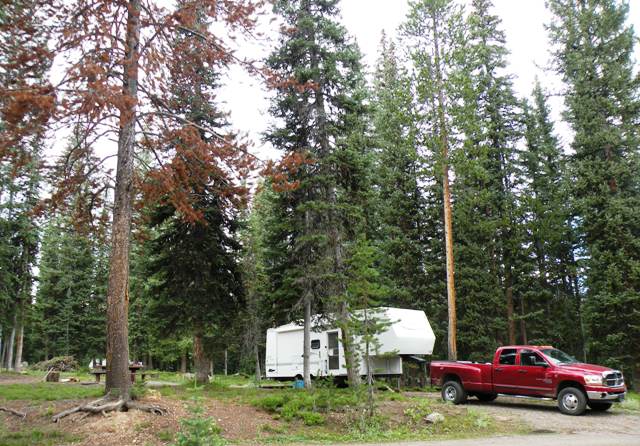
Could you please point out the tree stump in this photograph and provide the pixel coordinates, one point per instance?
(53, 377)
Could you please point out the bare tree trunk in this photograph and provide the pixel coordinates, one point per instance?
(118, 380)
(226, 362)
(370, 401)
(256, 351)
(306, 349)
(183, 362)
(523, 323)
(510, 313)
(446, 198)
(19, 341)
(11, 343)
(200, 360)
(350, 355)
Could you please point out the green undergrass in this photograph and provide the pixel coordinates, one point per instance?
(631, 402)
(48, 391)
(35, 437)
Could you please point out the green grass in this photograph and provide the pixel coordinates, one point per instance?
(49, 391)
(36, 437)
(631, 402)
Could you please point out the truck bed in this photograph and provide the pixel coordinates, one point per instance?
(475, 377)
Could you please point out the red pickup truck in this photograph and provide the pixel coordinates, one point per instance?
(533, 371)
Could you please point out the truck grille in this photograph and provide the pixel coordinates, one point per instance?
(613, 379)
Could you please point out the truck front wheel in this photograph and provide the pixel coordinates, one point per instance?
(572, 401)
(453, 392)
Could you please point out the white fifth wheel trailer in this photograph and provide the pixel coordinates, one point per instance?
(408, 333)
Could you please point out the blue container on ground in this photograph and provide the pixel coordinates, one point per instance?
(298, 384)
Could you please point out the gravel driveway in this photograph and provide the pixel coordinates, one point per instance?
(544, 417)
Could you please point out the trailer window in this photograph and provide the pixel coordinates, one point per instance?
(508, 356)
(315, 344)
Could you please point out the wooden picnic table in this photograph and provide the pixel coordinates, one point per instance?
(100, 370)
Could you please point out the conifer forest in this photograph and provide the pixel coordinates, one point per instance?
(139, 223)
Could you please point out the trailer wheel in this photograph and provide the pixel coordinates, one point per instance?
(572, 401)
(453, 392)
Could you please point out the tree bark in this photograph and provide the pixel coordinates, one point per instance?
(226, 362)
(256, 351)
(200, 360)
(19, 341)
(350, 356)
(118, 381)
(306, 349)
(510, 314)
(446, 198)
(183, 362)
(11, 343)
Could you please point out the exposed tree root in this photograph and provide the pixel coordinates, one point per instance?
(105, 405)
(13, 412)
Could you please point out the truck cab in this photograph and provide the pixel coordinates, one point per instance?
(532, 371)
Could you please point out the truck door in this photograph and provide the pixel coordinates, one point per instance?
(533, 371)
(506, 378)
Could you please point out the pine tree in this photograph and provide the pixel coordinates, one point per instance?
(551, 295)
(594, 55)
(435, 29)
(320, 106)
(194, 260)
(399, 207)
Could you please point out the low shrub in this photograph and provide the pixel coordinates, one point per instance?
(199, 430)
(311, 418)
(59, 363)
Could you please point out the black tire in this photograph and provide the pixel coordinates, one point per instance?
(453, 392)
(572, 401)
(487, 397)
(597, 406)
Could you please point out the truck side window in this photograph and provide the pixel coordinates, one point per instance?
(532, 359)
(508, 356)
(315, 344)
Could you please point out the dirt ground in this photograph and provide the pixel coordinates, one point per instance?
(17, 379)
(238, 422)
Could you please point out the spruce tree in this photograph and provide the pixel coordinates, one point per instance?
(319, 105)
(594, 55)
(435, 31)
(398, 173)
(549, 286)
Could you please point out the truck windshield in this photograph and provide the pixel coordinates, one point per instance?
(558, 356)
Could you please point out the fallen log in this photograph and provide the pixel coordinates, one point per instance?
(13, 412)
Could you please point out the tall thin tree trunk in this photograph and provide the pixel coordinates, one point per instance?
(446, 196)
(11, 343)
(306, 349)
(256, 352)
(226, 362)
(370, 401)
(200, 360)
(183, 361)
(118, 381)
(523, 323)
(510, 313)
(20, 338)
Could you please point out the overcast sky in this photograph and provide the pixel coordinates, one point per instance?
(522, 20)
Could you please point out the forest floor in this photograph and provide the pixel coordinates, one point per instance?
(249, 416)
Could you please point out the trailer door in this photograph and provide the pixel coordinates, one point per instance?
(333, 353)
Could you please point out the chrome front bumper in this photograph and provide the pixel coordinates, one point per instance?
(605, 396)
